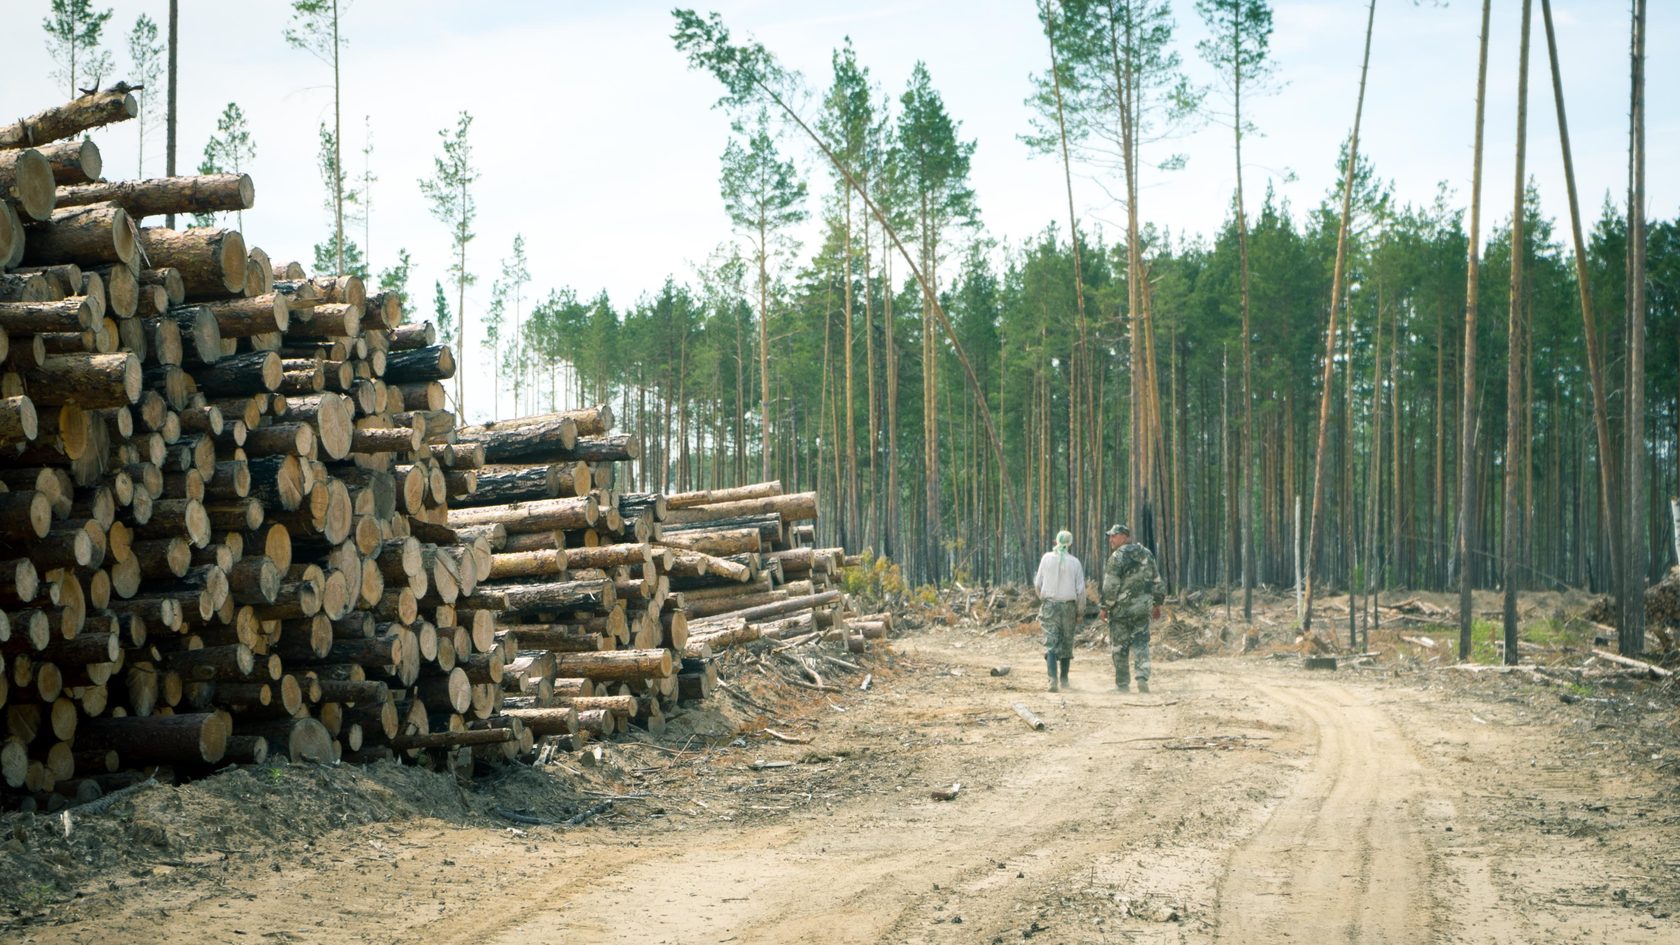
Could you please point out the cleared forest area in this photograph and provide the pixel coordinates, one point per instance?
(721, 637)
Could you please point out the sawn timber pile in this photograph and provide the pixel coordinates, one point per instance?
(237, 522)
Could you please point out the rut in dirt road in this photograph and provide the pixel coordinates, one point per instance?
(1338, 859)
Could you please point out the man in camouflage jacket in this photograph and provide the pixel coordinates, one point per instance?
(1132, 592)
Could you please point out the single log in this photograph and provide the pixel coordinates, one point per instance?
(557, 597)
(203, 193)
(519, 564)
(487, 736)
(543, 515)
(431, 363)
(87, 380)
(616, 665)
(233, 661)
(780, 608)
(91, 110)
(279, 482)
(557, 638)
(98, 233)
(799, 506)
(452, 691)
(211, 261)
(241, 375)
(12, 238)
(73, 162)
(613, 556)
(159, 739)
(300, 740)
(245, 317)
(325, 321)
(719, 543)
(688, 500)
(559, 720)
(530, 439)
(201, 336)
(26, 177)
(411, 336)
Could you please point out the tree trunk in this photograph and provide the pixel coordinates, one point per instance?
(1328, 379)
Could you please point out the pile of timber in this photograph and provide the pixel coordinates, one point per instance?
(614, 604)
(236, 521)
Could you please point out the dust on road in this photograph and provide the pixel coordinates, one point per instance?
(1242, 801)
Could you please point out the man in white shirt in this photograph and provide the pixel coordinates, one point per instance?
(1060, 583)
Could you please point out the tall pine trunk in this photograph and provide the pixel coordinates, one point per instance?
(1631, 638)
(1514, 350)
(1325, 395)
(1468, 414)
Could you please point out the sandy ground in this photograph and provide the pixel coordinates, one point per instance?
(1245, 800)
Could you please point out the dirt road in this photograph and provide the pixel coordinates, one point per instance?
(1243, 801)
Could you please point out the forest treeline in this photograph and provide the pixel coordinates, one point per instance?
(682, 362)
(957, 398)
(825, 365)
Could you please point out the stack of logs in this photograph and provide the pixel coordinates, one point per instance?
(236, 519)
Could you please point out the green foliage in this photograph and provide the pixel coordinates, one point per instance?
(449, 190)
(145, 55)
(762, 193)
(74, 30)
(395, 278)
(229, 151)
(877, 581)
(314, 28)
(441, 315)
(327, 257)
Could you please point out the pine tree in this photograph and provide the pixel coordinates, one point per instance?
(146, 53)
(450, 192)
(314, 28)
(763, 196)
(1238, 48)
(229, 151)
(74, 30)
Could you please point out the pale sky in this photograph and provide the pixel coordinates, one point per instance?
(597, 143)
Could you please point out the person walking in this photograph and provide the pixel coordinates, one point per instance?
(1132, 592)
(1060, 583)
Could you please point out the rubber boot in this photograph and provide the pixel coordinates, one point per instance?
(1122, 683)
(1065, 664)
(1143, 685)
(1050, 662)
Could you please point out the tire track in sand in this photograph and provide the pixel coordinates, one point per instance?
(1339, 858)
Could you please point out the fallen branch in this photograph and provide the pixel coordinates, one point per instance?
(1651, 668)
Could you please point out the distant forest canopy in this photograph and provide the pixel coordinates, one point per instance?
(1122, 399)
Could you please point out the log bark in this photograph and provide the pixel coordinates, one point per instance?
(97, 233)
(159, 739)
(300, 740)
(559, 720)
(241, 375)
(73, 162)
(540, 516)
(204, 193)
(26, 177)
(431, 363)
(616, 665)
(211, 261)
(799, 506)
(245, 317)
(528, 439)
(557, 638)
(87, 380)
(81, 114)
(557, 597)
(688, 500)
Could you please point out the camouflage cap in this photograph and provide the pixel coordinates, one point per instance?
(1117, 530)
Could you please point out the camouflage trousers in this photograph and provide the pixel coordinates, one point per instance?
(1128, 643)
(1059, 618)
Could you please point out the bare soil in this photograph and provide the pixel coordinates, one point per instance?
(1244, 800)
